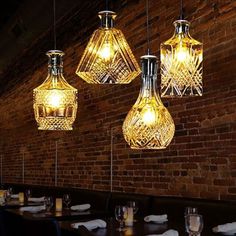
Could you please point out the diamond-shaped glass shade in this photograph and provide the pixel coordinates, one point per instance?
(55, 101)
(108, 58)
(148, 124)
(181, 63)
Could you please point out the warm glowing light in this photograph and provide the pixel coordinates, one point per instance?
(181, 64)
(55, 99)
(182, 54)
(107, 52)
(148, 115)
(148, 125)
(108, 59)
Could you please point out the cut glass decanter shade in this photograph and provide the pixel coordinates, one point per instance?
(55, 101)
(108, 58)
(148, 124)
(181, 63)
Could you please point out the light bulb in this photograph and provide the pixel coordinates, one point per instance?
(55, 99)
(181, 63)
(148, 125)
(107, 51)
(182, 54)
(108, 59)
(148, 115)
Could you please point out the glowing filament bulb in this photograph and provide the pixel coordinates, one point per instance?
(149, 116)
(182, 53)
(54, 99)
(107, 51)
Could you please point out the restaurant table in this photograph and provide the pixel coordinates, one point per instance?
(16, 204)
(58, 215)
(140, 228)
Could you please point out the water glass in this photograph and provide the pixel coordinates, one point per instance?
(193, 224)
(67, 200)
(121, 214)
(28, 194)
(190, 210)
(134, 205)
(48, 202)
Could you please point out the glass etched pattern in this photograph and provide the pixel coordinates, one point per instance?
(55, 101)
(108, 58)
(181, 64)
(148, 124)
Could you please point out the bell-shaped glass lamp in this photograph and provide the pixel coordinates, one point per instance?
(148, 124)
(181, 63)
(108, 58)
(55, 101)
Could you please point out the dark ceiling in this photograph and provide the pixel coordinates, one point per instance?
(23, 21)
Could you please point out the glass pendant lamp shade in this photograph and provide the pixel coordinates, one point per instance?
(55, 101)
(181, 63)
(148, 124)
(108, 58)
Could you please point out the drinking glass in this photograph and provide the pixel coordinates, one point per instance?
(134, 205)
(8, 194)
(194, 224)
(121, 214)
(190, 210)
(28, 194)
(67, 200)
(48, 202)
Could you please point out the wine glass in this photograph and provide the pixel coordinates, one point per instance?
(48, 202)
(194, 224)
(8, 194)
(28, 194)
(190, 210)
(134, 205)
(121, 214)
(67, 200)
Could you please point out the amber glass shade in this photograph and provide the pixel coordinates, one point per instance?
(148, 124)
(181, 63)
(55, 101)
(108, 58)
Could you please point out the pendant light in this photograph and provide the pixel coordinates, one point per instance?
(148, 124)
(55, 101)
(181, 62)
(108, 58)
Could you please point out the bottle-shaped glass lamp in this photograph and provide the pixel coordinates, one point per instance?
(148, 124)
(181, 63)
(108, 58)
(55, 101)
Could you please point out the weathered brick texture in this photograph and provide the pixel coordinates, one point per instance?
(201, 160)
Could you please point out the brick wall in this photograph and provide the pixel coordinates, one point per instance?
(201, 160)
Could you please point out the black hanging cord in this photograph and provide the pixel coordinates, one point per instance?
(54, 24)
(147, 23)
(107, 7)
(181, 17)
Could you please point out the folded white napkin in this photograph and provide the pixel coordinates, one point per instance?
(170, 232)
(225, 227)
(156, 218)
(15, 195)
(90, 225)
(82, 207)
(36, 199)
(33, 209)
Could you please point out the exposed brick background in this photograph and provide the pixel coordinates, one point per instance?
(201, 160)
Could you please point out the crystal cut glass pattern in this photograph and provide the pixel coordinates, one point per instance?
(55, 101)
(148, 124)
(108, 58)
(181, 63)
